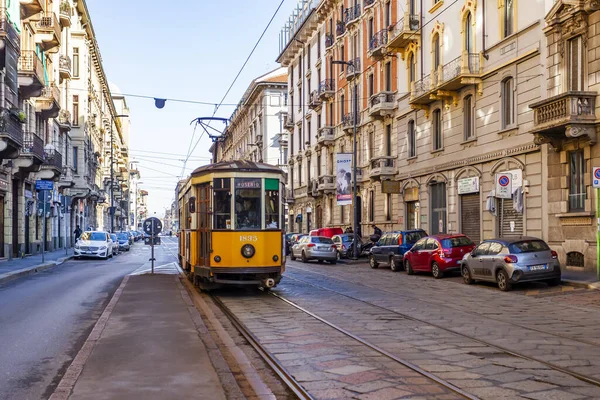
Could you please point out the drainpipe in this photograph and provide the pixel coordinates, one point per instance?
(483, 33)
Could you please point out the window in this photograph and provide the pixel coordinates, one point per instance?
(412, 215)
(371, 206)
(300, 174)
(508, 17)
(412, 73)
(371, 85)
(469, 131)
(75, 159)
(436, 53)
(342, 56)
(319, 45)
(308, 171)
(437, 129)
(388, 76)
(309, 132)
(308, 56)
(469, 34)
(371, 145)
(388, 140)
(438, 208)
(319, 164)
(577, 189)
(330, 210)
(575, 259)
(222, 202)
(342, 105)
(412, 140)
(247, 203)
(575, 73)
(370, 32)
(508, 106)
(76, 110)
(272, 217)
(292, 178)
(75, 62)
(388, 206)
(387, 18)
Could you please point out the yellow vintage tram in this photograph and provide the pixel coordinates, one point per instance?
(231, 230)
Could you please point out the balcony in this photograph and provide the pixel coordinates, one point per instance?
(447, 80)
(377, 44)
(325, 136)
(52, 166)
(11, 135)
(360, 175)
(382, 168)
(31, 156)
(314, 188)
(47, 33)
(31, 74)
(329, 40)
(7, 30)
(340, 28)
(300, 192)
(327, 89)
(314, 102)
(566, 116)
(382, 104)
(30, 8)
(64, 67)
(327, 184)
(67, 178)
(282, 139)
(348, 122)
(288, 122)
(404, 31)
(352, 14)
(64, 120)
(289, 196)
(259, 140)
(65, 13)
(353, 70)
(369, 3)
(48, 103)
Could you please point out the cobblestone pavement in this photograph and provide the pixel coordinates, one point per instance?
(455, 331)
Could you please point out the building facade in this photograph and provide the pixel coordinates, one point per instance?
(51, 81)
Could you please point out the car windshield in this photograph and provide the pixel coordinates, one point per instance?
(347, 238)
(113, 236)
(413, 237)
(319, 239)
(457, 242)
(93, 236)
(123, 236)
(528, 246)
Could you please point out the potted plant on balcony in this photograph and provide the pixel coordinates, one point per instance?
(18, 115)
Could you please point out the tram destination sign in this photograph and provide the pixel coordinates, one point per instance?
(152, 225)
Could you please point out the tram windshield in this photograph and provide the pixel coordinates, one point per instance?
(222, 201)
(271, 204)
(247, 203)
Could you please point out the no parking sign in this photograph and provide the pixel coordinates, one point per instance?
(596, 177)
(504, 186)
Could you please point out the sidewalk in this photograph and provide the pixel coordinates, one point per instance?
(144, 346)
(17, 267)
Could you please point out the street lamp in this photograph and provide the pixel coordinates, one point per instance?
(112, 183)
(354, 197)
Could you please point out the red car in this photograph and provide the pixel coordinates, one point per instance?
(437, 254)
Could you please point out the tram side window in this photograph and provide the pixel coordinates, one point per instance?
(222, 203)
(272, 203)
(247, 203)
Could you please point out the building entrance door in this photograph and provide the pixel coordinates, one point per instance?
(470, 216)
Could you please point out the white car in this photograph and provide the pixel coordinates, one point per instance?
(94, 244)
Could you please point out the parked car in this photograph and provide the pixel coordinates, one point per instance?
(295, 238)
(93, 244)
(327, 232)
(318, 248)
(343, 243)
(390, 248)
(438, 254)
(114, 242)
(124, 240)
(288, 242)
(509, 261)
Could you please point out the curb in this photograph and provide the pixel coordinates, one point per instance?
(580, 284)
(9, 276)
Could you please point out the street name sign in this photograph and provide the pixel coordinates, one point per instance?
(44, 185)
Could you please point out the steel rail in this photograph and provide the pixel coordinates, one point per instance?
(271, 360)
(574, 374)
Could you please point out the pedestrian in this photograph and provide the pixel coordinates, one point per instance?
(376, 230)
(77, 232)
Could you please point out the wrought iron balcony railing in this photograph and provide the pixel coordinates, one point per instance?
(53, 159)
(351, 14)
(354, 68)
(378, 40)
(329, 40)
(340, 28)
(33, 145)
(10, 128)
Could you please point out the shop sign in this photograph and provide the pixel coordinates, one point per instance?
(504, 186)
(468, 185)
(390, 187)
(411, 194)
(3, 184)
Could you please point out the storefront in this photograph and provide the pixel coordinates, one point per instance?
(470, 208)
(437, 220)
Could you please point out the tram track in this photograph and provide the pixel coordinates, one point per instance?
(581, 377)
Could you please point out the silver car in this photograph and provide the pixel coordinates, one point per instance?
(318, 248)
(511, 260)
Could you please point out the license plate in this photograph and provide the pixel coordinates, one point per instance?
(323, 247)
(538, 267)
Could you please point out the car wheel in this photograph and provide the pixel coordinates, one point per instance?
(394, 264)
(292, 256)
(554, 282)
(372, 262)
(408, 268)
(502, 280)
(339, 255)
(466, 275)
(436, 271)
(304, 259)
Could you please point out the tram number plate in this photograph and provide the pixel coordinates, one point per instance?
(248, 238)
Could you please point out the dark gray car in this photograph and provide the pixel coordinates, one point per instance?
(508, 261)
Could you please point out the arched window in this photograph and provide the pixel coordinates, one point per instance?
(412, 140)
(469, 47)
(508, 103)
(575, 259)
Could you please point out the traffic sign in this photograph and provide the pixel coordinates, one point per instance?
(504, 186)
(152, 225)
(596, 177)
(44, 185)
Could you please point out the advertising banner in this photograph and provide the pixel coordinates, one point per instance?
(343, 182)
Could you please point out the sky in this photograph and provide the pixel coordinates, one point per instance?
(181, 49)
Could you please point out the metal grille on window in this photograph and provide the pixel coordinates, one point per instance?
(575, 259)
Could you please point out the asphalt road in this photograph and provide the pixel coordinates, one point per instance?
(46, 317)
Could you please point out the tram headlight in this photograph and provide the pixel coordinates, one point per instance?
(248, 251)
(275, 258)
(217, 258)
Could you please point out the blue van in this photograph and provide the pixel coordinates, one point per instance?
(391, 248)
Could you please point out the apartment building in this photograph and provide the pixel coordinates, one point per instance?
(255, 131)
(51, 75)
(443, 91)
